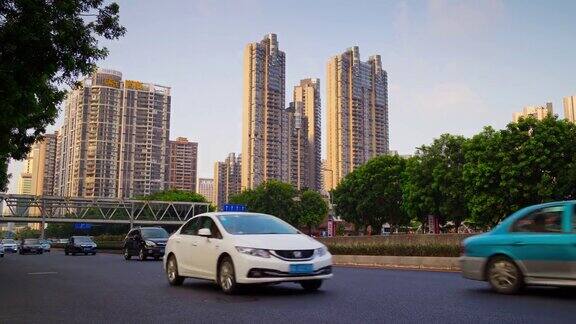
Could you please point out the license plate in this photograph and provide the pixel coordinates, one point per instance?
(301, 268)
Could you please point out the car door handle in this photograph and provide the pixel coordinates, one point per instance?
(518, 243)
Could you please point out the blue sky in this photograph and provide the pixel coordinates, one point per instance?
(453, 66)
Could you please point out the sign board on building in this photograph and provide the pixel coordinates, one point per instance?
(134, 85)
(82, 226)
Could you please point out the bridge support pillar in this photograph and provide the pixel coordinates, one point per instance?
(43, 226)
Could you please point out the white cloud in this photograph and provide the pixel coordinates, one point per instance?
(448, 18)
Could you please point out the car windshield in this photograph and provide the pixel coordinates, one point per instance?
(154, 233)
(82, 239)
(31, 241)
(7, 241)
(238, 224)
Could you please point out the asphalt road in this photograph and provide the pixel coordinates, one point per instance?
(53, 288)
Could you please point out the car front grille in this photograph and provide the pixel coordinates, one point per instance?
(269, 273)
(294, 254)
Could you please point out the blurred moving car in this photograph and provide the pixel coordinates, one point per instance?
(10, 246)
(45, 245)
(30, 245)
(534, 246)
(145, 242)
(80, 244)
(1, 250)
(233, 248)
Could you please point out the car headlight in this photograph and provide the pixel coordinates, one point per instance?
(150, 244)
(321, 251)
(255, 252)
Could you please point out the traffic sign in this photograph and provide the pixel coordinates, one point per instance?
(234, 207)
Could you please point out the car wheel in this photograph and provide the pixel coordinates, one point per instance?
(311, 285)
(127, 255)
(93, 253)
(172, 272)
(66, 252)
(227, 277)
(142, 255)
(504, 276)
(73, 253)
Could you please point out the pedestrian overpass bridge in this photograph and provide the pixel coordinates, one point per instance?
(53, 209)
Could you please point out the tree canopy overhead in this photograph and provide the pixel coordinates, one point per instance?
(45, 45)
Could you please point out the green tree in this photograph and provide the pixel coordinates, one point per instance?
(272, 197)
(178, 195)
(45, 45)
(526, 163)
(372, 194)
(434, 181)
(313, 209)
(27, 232)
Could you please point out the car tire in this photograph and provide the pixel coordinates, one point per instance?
(174, 279)
(311, 285)
(504, 276)
(127, 255)
(93, 253)
(142, 255)
(227, 276)
(66, 253)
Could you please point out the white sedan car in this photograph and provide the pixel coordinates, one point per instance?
(232, 248)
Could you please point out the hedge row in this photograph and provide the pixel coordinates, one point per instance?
(430, 250)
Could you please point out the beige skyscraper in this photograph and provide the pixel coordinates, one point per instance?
(183, 164)
(357, 126)
(88, 143)
(37, 176)
(307, 94)
(227, 179)
(570, 108)
(114, 140)
(538, 112)
(264, 99)
(206, 188)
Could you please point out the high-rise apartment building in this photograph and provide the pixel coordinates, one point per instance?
(206, 188)
(297, 157)
(144, 138)
(357, 126)
(538, 112)
(183, 164)
(89, 138)
(307, 94)
(114, 140)
(263, 108)
(227, 179)
(37, 176)
(570, 108)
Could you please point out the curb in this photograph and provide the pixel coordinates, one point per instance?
(399, 262)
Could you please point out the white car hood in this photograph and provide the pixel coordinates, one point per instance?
(277, 241)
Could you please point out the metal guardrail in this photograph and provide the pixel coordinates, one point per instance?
(53, 209)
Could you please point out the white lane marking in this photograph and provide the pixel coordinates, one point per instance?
(42, 273)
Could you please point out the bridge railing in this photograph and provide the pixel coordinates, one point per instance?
(28, 208)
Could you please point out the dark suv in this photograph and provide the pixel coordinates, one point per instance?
(145, 242)
(31, 246)
(80, 244)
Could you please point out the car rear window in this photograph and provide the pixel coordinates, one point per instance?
(545, 220)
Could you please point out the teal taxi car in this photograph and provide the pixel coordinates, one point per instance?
(534, 246)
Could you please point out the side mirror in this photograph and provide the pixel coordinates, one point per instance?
(204, 232)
